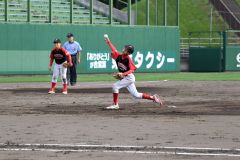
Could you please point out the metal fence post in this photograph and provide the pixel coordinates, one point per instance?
(29, 11)
(50, 11)
(129, 12)
(147, 12)
(91, 11)
(156, 12)
(136, 12)
(71, 11)
(178, 11)
(6, 10)
(110, 11)
(165, 12)
(224, 37)
(189, 41)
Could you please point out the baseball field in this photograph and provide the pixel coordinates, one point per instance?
(199, 121)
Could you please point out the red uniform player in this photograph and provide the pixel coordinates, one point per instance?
(60, 55)
(126, 78)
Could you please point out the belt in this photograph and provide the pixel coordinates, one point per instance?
(73, 54)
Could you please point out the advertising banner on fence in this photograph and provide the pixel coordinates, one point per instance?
(232, 60)
(156, 48)
(145, 61)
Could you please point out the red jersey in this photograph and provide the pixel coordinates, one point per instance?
(60, 56)
(124, 63)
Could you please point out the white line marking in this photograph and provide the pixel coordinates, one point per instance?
(124, 151)
(107, 148)
(172, 106)
(116, 146)
(170, 60)
(208, 154)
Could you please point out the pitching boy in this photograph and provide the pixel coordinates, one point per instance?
(126, 78)
(61, 57)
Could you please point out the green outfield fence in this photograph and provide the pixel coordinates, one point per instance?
(25, 48)
(214, 51)
(28, 27)
(232, 50)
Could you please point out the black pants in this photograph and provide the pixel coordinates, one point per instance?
(72, 71)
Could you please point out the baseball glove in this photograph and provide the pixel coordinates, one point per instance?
(118, 76)
(66, 64)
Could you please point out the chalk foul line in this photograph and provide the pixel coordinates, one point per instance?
(187, 151)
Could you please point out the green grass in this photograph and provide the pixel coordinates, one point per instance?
(227, 76)
(238, 1)
(194, 15)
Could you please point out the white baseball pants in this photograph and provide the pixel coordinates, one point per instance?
(59, 71)
(128, 82)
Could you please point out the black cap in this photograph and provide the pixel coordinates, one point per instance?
(129, 48)
(69, 35)
(57, 40)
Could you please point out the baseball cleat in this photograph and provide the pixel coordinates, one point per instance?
(65, 92)
(157, 99)
(113, 106)
(51, 91)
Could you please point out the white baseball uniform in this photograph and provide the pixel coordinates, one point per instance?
(128, 82)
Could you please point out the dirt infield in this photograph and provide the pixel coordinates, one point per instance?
(207, 115)
(191, 98)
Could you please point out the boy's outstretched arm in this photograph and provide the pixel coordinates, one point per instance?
(115, 53)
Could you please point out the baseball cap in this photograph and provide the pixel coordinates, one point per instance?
(129, 48)
(57, 40)
(69, 35)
